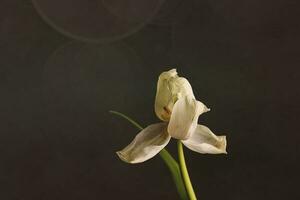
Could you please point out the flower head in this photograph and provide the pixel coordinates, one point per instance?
(176, 106)
(170, 87)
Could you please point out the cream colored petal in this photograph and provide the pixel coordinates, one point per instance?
(149, 142)
(203, 140)
(163, 98)
(170, 87)
(184, 117)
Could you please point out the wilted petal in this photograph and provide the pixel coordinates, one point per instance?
(184, 117)
(203, 140)
(149, 142)
(170, 87)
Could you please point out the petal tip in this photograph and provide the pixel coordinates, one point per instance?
(205, 108)
(173, 71)
(146, 144)
(168, 74)
(204, 141)
(122, 156)
(223, 144)
(125, 158)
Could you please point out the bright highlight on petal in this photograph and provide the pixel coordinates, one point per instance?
(184, 117)
(203, 140)
(149, 142)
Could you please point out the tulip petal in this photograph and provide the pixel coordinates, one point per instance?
(170, 87)
(184, 117)
(203, 140)
(149, 142)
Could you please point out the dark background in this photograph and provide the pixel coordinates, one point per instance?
(64, 64)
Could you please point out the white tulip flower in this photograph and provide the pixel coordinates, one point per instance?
(176, 106)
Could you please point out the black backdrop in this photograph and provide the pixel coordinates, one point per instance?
(59, 77)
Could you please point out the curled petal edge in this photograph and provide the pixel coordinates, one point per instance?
(204, 141)
(147, 143)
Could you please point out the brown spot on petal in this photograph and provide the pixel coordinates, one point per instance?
(167, 110)
(165, 116)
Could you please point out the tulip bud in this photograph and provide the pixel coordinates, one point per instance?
(170, 87)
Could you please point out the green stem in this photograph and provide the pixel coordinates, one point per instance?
(175, 171)
(168, 159)
(127, 118)
(185, 174)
